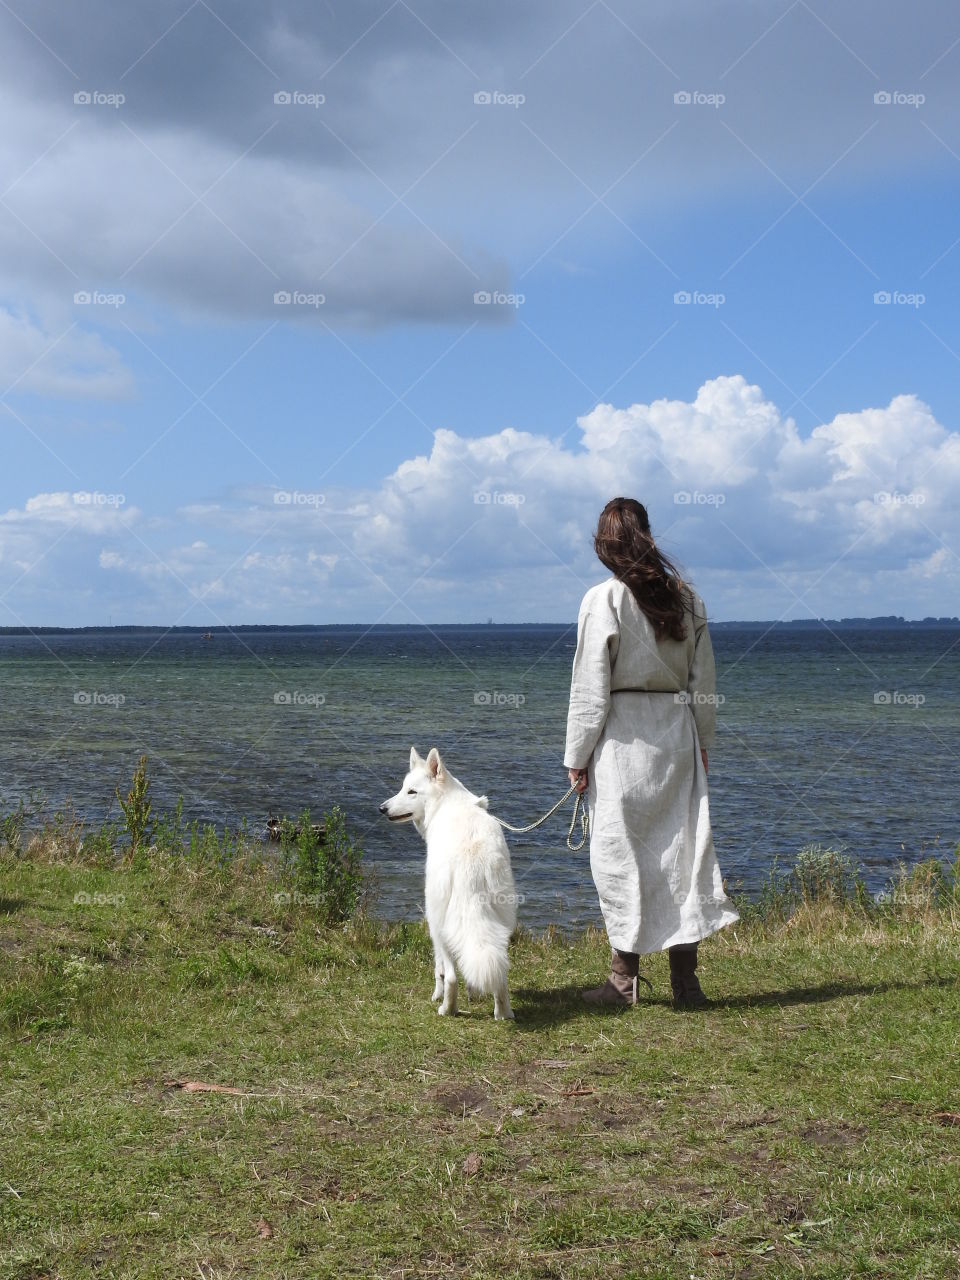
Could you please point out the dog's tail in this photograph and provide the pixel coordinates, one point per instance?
(484, 967)
(479, 928)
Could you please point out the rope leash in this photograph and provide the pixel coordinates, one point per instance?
(584, 821)
(584, 832)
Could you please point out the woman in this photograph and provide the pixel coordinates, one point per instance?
(642, 715)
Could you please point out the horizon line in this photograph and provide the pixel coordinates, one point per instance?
(890, 620)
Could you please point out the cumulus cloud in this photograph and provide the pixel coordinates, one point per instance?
(731, 486)
(857, 517)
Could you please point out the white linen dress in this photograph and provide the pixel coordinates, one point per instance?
(640, 711)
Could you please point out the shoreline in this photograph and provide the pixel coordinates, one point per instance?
(817, 877)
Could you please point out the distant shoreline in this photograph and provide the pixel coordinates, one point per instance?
(798, 624)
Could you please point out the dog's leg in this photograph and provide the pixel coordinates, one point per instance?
(448, 1006)
(437, 962)
(501, 1004)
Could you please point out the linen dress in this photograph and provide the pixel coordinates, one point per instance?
(640, 710)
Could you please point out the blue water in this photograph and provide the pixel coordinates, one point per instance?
(804, 752)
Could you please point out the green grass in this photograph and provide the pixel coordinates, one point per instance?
(795, 1128)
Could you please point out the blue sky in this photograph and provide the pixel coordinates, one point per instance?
(198, 452)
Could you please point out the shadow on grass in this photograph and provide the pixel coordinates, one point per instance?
(9, 905)
(545, 1007)
(822, 993)
(550, 1006)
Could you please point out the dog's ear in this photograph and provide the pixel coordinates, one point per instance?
(435, 765)
(415, 758)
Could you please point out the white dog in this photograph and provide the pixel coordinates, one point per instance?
(470, 895)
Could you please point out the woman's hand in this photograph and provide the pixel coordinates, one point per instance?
(703, 757)
(578, 778)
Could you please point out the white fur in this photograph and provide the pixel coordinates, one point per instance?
(470, 895)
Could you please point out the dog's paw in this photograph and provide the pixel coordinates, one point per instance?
(445, 1011)
(437, 994)
(504, 1017)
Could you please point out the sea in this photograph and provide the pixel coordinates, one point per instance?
(846, 736)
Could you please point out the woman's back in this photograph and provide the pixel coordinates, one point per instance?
(638, 659)
(641, 716)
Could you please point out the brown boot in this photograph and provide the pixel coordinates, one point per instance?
(621, 987)
(687, 992)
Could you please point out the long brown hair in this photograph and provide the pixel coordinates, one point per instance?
(623, 542)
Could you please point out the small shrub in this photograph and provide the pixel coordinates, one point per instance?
(203, 846)
(170, 834)
(11, 828)
(826, 875)
(308, 856)
(138, 811)
(324, 864)
(929, 886)
(99, 847)
(59, 839)
(820, 877)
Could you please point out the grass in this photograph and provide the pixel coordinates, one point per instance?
(804, 1125)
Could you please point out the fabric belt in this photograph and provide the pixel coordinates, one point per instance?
(673, 692)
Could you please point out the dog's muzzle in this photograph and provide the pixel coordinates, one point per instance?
(394, 817)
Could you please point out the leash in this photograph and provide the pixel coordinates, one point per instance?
(584, 821)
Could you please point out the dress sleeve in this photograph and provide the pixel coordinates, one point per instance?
(598, 639)
(702, 682)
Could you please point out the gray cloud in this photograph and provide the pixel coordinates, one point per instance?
(308, 191)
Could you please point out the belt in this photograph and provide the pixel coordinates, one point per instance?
(673, 692)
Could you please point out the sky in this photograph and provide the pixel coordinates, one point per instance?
(327, 312)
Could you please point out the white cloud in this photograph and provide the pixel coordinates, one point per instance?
(49, 556)
(731, 486)
(88, 512)
(72, 363)
(857, 517)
